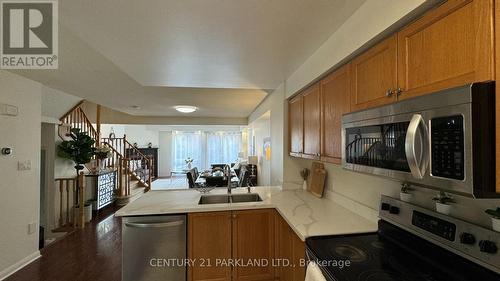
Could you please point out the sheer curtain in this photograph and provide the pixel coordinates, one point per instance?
(187, 145)
(223, 147)
(205, 148)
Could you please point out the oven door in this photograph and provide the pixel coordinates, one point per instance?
(394, 146)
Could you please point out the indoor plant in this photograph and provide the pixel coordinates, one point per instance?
(103, 153)
(442, 200)
(405, 194)
(495, 218)
(189, 162)
(80, 148)
(304, 173)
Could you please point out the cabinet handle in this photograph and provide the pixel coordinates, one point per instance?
(399, 91)
(234, 216)
(389, 93)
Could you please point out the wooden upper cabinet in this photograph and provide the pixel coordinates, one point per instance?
(374, 76)
(450, 46)
(254, 239)
(296, 125)
(209, 238)
(312, 124)
(335, 101)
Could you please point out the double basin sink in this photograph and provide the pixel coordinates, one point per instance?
(229, 198)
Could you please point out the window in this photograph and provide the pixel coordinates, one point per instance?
(186, 145)
(223, 147)
(205, 148)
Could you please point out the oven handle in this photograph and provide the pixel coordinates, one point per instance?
(417, 166)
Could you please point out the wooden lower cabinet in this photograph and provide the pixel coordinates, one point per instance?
(254, 241)
(291, 249)
(209, 239)
(247, 237)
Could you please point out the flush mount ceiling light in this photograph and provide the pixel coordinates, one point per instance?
(185, 108)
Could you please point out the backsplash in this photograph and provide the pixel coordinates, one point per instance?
(367, 189)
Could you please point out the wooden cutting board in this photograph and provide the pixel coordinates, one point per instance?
(318, 178)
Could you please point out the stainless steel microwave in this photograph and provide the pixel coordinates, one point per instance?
(444, 140)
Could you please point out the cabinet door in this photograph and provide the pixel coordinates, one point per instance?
(335, 101)
(209, 238)
(374, 76)
(449, 46)
(312, 126)
(291, 249)
(254, 240)
(296, 125)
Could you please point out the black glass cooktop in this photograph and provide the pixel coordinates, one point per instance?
(390, 254)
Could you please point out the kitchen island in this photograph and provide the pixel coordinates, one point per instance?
(231, 241)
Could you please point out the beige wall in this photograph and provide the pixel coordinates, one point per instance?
(275, 105)
(19, 203)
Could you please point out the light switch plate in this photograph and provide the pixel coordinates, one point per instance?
(24, 165)
(32, 228)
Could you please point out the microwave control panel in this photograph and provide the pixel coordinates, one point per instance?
(447, 147)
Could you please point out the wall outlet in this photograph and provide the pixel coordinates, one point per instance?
(32, 228)
(24, 165)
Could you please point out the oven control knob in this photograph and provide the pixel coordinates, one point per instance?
(488, 246)
(385, 206)
(394, 210)
(467, 238)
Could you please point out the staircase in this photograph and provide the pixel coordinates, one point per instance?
(134, 169)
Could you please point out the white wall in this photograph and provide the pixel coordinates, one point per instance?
(275, 105)
(165, 153)
(56, 103)
(261, 129)
(19, 203)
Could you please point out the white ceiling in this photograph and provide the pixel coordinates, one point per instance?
(223, 56)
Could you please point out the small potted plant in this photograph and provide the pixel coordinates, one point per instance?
(442, 203)
(304, 173)
(495, 218)
(103, 153)
(405, 194)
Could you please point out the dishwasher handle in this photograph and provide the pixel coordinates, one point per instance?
(154, 224)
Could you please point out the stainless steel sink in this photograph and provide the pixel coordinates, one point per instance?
(248, 197)
(224, 198)
(214, 199)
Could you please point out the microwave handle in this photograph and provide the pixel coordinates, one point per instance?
(417, 166)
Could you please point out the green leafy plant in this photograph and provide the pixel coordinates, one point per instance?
(405, 187)
(443, 198)
(80, 148)
(103, 152)
(494, 212)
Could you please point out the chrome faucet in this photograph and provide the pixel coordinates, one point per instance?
(227, 171)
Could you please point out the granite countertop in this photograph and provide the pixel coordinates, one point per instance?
(307, 215)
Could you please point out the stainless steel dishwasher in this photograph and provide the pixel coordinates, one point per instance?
(154, 248)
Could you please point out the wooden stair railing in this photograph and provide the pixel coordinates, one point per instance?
(71, 190)
(67, 189)
(76, 118)
(139, 165)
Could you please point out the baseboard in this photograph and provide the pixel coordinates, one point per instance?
(18, 265)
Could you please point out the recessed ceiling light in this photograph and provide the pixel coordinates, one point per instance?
(185, 108)
(135, 107)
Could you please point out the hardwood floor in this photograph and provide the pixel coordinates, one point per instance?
(93, 253)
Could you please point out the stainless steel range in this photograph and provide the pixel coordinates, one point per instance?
(412, 243)
(443, 140)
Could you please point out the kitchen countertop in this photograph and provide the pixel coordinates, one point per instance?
(307, 215)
